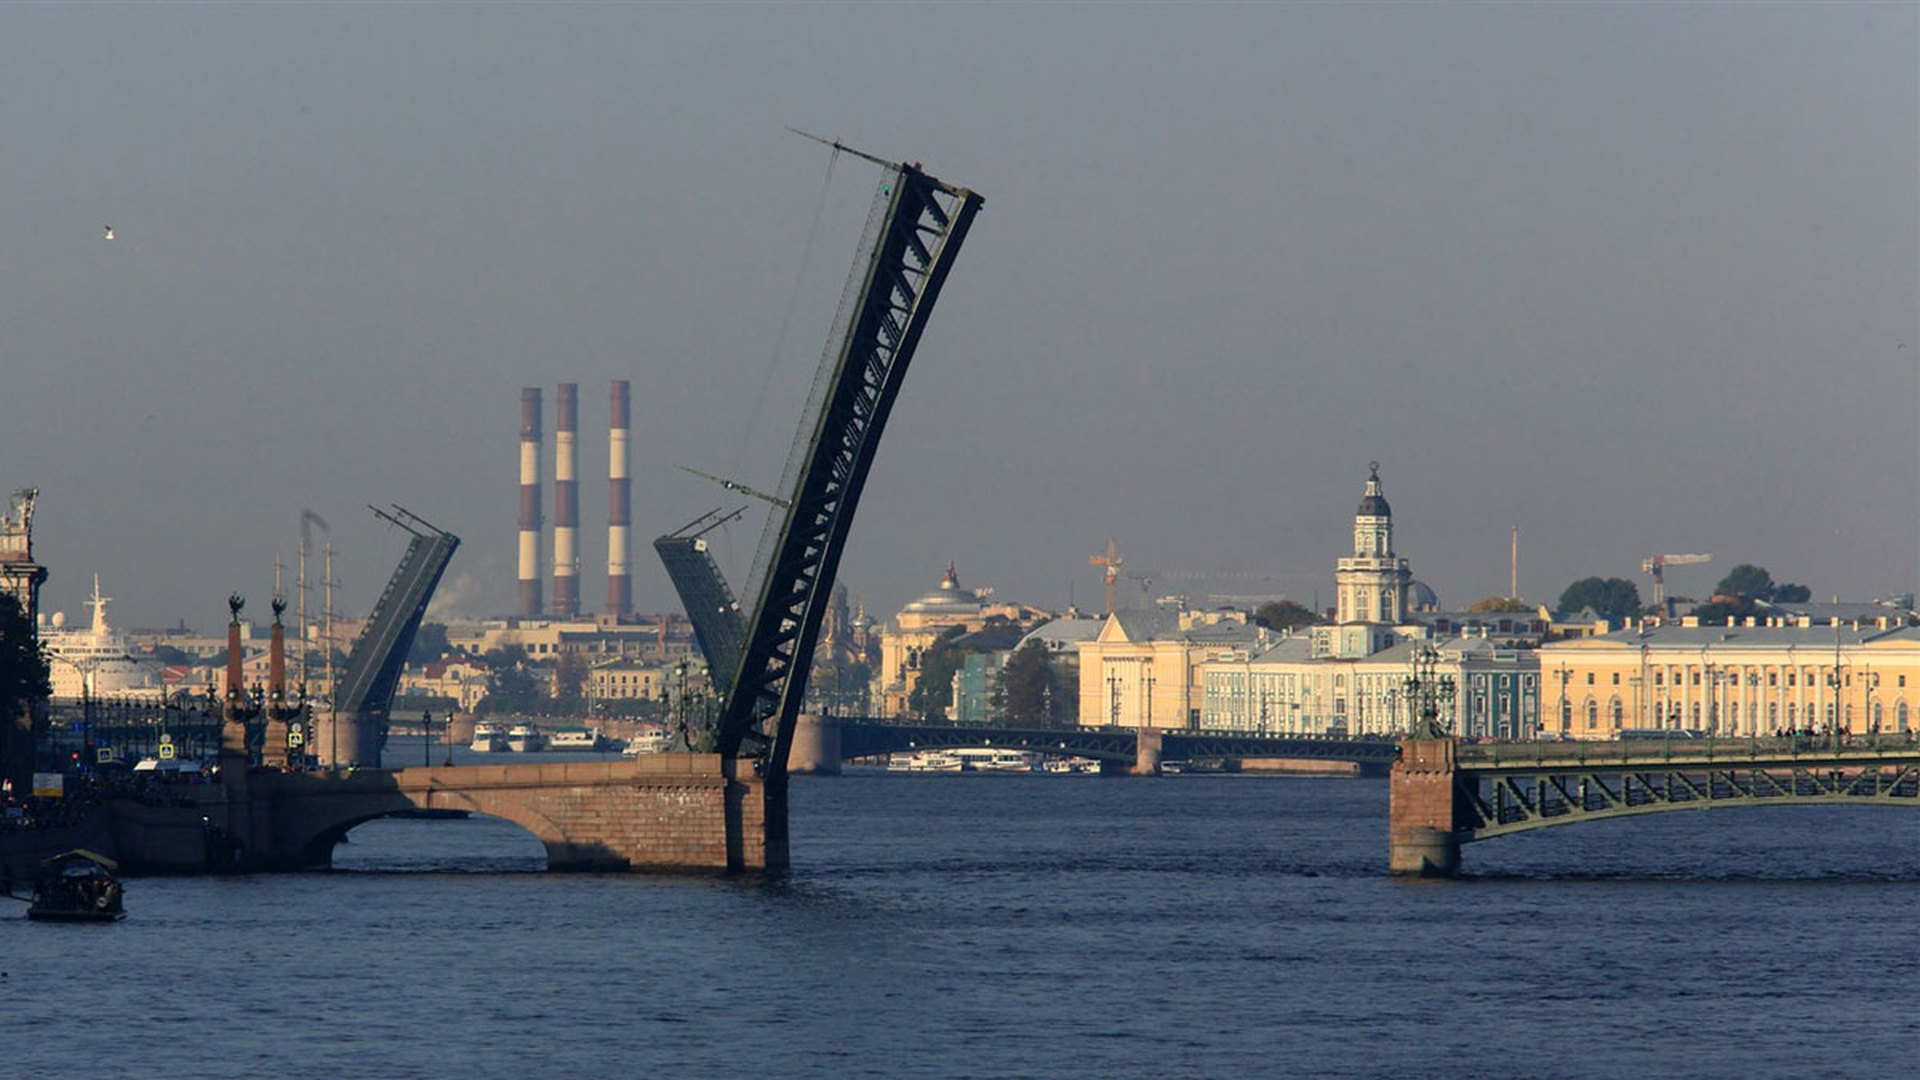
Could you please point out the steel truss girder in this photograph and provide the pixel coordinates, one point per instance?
(926, 221)
(1496, 802)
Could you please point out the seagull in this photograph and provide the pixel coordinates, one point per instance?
(109, 233)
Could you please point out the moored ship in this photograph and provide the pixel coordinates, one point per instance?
(525, 739)
(488, 738)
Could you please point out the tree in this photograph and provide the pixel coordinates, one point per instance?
(1284, 615)
(1746, 582)
(1791, 594)
(570, 683)
(934, 690)
(429, 644)
(1613, 599)
(510, 689)
(1494, 605)
(1027, 697)
(23, 682)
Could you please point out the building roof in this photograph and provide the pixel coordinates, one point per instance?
(1667, 636)
(1373, 503)
(947, 597)
(1057, 634)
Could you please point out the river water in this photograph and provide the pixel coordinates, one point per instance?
(1016, 926)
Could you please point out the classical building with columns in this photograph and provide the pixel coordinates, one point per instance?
(1756, 678)
(1352, 677)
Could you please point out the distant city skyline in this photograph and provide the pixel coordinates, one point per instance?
(1635, 280)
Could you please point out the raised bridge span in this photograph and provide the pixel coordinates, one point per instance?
(1445, 794)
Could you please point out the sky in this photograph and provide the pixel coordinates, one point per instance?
(1632, 278)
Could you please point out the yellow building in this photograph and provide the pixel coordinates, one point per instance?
(1144, 670)
(922, 623)
(1734, 680)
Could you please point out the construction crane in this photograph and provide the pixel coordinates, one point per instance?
(1111, 561)
(1657, 566)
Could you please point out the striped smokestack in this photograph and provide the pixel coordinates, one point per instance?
(619, 505)
(530, 502)
(566, 502)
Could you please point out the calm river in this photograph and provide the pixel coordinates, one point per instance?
(1016, 926)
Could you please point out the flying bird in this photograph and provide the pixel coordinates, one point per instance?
(109, 232)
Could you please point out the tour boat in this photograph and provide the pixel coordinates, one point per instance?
(77, 886)
(925, 761)
(487, 739)
(649, 741)
(525, 739)
(576, 739)
(995, 760)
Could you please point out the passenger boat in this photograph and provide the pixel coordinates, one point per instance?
(1072, 766)
(648, 741)
(995, 760)
(577, 739)
(488, 739)
(77, 886)
(525, 739)
(925, 761)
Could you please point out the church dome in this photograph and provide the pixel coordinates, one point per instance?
(1373, 503)
(949, 597)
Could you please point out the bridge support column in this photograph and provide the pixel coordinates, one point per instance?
(815, 749)
(1421, 816)
(1146, 754)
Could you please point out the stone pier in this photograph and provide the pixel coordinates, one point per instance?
(815, 750)
(1422, 811)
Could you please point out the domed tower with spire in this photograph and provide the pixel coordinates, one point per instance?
(1373, 582)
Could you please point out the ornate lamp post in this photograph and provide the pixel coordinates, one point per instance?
(1426, 690)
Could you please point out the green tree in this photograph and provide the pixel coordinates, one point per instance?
(934, 690)
(1614, 599)
(1746, 582)
(1284, 615)
(1785, 593)
(1494, 605)
(1026, 695)
(23, 683)
(570, 683)
(429, 644)
(510, 688)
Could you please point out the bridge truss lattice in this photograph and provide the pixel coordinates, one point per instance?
(917, 228)
(1494, 798)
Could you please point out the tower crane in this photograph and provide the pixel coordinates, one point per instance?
(1657, 566)
(1111, 561)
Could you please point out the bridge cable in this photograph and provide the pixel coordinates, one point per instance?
(786, 319)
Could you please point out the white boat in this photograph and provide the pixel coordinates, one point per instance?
(488, 739)
(1072, 766)
(525, 739)
(577, 739)
(95, 662)
(648, 741)
(925, 761)
(995, 760)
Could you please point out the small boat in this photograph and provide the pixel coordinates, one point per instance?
(77, 886)
(488, 739)
(577, 739)
(525, 739)
(649, 741)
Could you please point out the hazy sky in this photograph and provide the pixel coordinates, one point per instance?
(1635, 278)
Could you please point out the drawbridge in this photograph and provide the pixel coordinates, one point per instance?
(914, 230)
(364, 693)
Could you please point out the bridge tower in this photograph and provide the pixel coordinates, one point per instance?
(915, 230)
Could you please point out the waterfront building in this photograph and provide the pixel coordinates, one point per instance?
(1144, 667)
(659, 638)
(941, 612)
(462, 678)
(627, 678)
(1755, 678)
(1353, 677)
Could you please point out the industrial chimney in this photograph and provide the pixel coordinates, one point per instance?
(566, 502)
(619, 505)
(530, 502)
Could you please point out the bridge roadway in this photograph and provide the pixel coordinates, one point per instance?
(821, 744)
(1445, 793)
